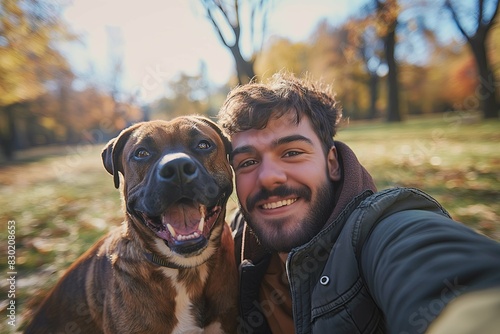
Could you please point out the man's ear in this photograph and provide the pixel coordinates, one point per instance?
(333, 164)
(112, 153)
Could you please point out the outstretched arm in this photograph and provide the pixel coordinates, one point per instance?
(416, 262)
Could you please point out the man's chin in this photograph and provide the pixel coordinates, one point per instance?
(280, 239)
(275, 245)
(285, 234)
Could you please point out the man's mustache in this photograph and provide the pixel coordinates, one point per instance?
(281, 191)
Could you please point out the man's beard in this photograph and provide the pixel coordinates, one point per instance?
(276, 239)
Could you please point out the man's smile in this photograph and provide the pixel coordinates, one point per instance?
(279, 197)
(278, 204)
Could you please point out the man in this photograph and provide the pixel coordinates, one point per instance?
(323, 251)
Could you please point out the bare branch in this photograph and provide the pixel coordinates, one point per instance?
(209, 7)
(230, 10)
(480, 11)
(264, 30)
(456, 19)
(236, 27)
(493, 17)
(252, 24)
(214, 24)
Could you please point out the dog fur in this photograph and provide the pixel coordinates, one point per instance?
(140, 278)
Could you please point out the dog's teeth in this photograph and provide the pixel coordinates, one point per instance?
(171, 230)
(188, 237)
(203, 210)
(202, 224)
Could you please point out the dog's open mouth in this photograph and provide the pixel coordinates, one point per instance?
(185, 226)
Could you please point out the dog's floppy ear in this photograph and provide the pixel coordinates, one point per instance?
(213, 125)
(112, 152)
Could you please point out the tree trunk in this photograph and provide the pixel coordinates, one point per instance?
(486, 91)
(373, 83)
(244, 69)
(8, 137)
(393, 113)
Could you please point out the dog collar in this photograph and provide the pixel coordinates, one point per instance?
(160, 262)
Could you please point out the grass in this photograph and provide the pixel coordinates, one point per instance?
(61, 204)
(456, 161)
(63, 200)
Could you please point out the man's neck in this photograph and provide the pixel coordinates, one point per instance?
(283, 257)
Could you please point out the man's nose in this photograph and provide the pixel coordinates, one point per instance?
(271, 174)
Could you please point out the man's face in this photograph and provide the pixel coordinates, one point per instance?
(284, 182)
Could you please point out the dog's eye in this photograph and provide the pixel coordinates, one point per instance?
(141, 153)
(204, 145)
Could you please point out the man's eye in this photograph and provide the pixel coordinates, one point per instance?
(141, 153)
(292, 153)
(247, 163)
(204, 145)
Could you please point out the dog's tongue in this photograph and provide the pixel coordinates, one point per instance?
(183, 219)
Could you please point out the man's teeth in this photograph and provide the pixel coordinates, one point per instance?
(278, 204)
(193, 235)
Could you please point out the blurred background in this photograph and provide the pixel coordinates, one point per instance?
(84, 69)
(418, 81)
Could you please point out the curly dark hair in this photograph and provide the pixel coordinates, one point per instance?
(252, 105)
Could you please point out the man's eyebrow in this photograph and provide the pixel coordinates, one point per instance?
(290, 139)
(276, 143)
(241, 150)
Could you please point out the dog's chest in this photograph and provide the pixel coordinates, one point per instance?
(188, 287)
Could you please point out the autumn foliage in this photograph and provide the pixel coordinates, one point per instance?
(43, 102)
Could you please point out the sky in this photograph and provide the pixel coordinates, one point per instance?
(158, 39)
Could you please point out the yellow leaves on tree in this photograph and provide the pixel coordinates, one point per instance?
(462, 81)
(27, 54)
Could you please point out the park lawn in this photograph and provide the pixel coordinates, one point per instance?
(64, 201)
(61, 203)
(455, 160)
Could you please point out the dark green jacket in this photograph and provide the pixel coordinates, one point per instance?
(388, 263)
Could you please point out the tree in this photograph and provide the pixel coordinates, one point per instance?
(332, 56)
(28, 58)
(115, 54)
(225, 17)
(372, 39)
(387, 21)
(476, 39)
(370, 54)
(281, 54)
(364, 44)
(188, 95)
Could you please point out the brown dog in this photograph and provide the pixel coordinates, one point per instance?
(170, 267)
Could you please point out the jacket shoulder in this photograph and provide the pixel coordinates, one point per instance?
(382, 205)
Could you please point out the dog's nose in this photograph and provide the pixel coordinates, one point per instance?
(177, 168)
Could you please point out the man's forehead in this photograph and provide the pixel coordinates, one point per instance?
(274, 128)
(278, 131)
